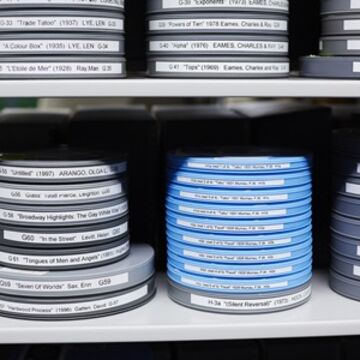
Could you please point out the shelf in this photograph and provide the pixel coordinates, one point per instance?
(327, 314)
(138, 87)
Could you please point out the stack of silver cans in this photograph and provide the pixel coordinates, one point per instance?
(64, 237)
(218, 39)
(62, 39)
(339, 44)
(345, 238)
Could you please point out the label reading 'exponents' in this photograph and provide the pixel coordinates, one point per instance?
(229, 227)
(251, 304)
(56, 174)
(66, 238)
(33, 217)
(281, 5)
(236, 286)
(220, 46)
(73, 308)
(59, 46)
(230, 183)
(67, 286)
(233, 198)
(234, 243)
(46, 23)
(218, 24)
(104, 3)
(236, 257)
(63, 260)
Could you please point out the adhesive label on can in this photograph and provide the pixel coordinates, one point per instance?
(222, 67)
(233, 243)
(233, 213)
(356, 270)
(61, 68)
(353, 44)
(64, 260)
(73, 308)
(65, 216)
(61, 195)
(219, 46)
(218, 182)
(351, 25)
(34, 23)
(66, 238)
(354, 4)
(236, 272)
(245, 257)
(356, 69)
(282, 5)
(71, 173)
(352, 188)
(218, 227)
(251, 304)
(234, 198)
(106, 3)
(235, 286)
(218, 24)
(58, 46)
(64, 286)
(240, 167)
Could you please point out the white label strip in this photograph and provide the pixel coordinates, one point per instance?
(106, 3)
(222, 67)
(230, 183)
(358, 165)
(36, 23)
(60, 195)
(358, 251)
(234, 198)
(218, 24)
(233, 213)
(351, 25)
(356, 68)
(64, 260)
(234, 243)
(229, 258)
(236, 272)
(63, 286)
(59, 46)
(63, 217)
(67, 173)
(263, 4)
(251, 304)
(356, 270)
(230, 228)
(353, 44)
(64, 68)
(67, 238)
(220, 46)
(244, 167)
(235, 286)
(354, 4)
(73, 308)
(352, 188)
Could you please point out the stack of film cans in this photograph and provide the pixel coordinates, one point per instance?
(339, 44)
(218, 39)
(345, 238)
(239, 232)
(64, 238)
(61, 39)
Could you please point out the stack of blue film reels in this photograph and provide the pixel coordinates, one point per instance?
(239, 232)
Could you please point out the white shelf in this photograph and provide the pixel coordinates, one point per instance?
(139, 87)
(327, 314)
